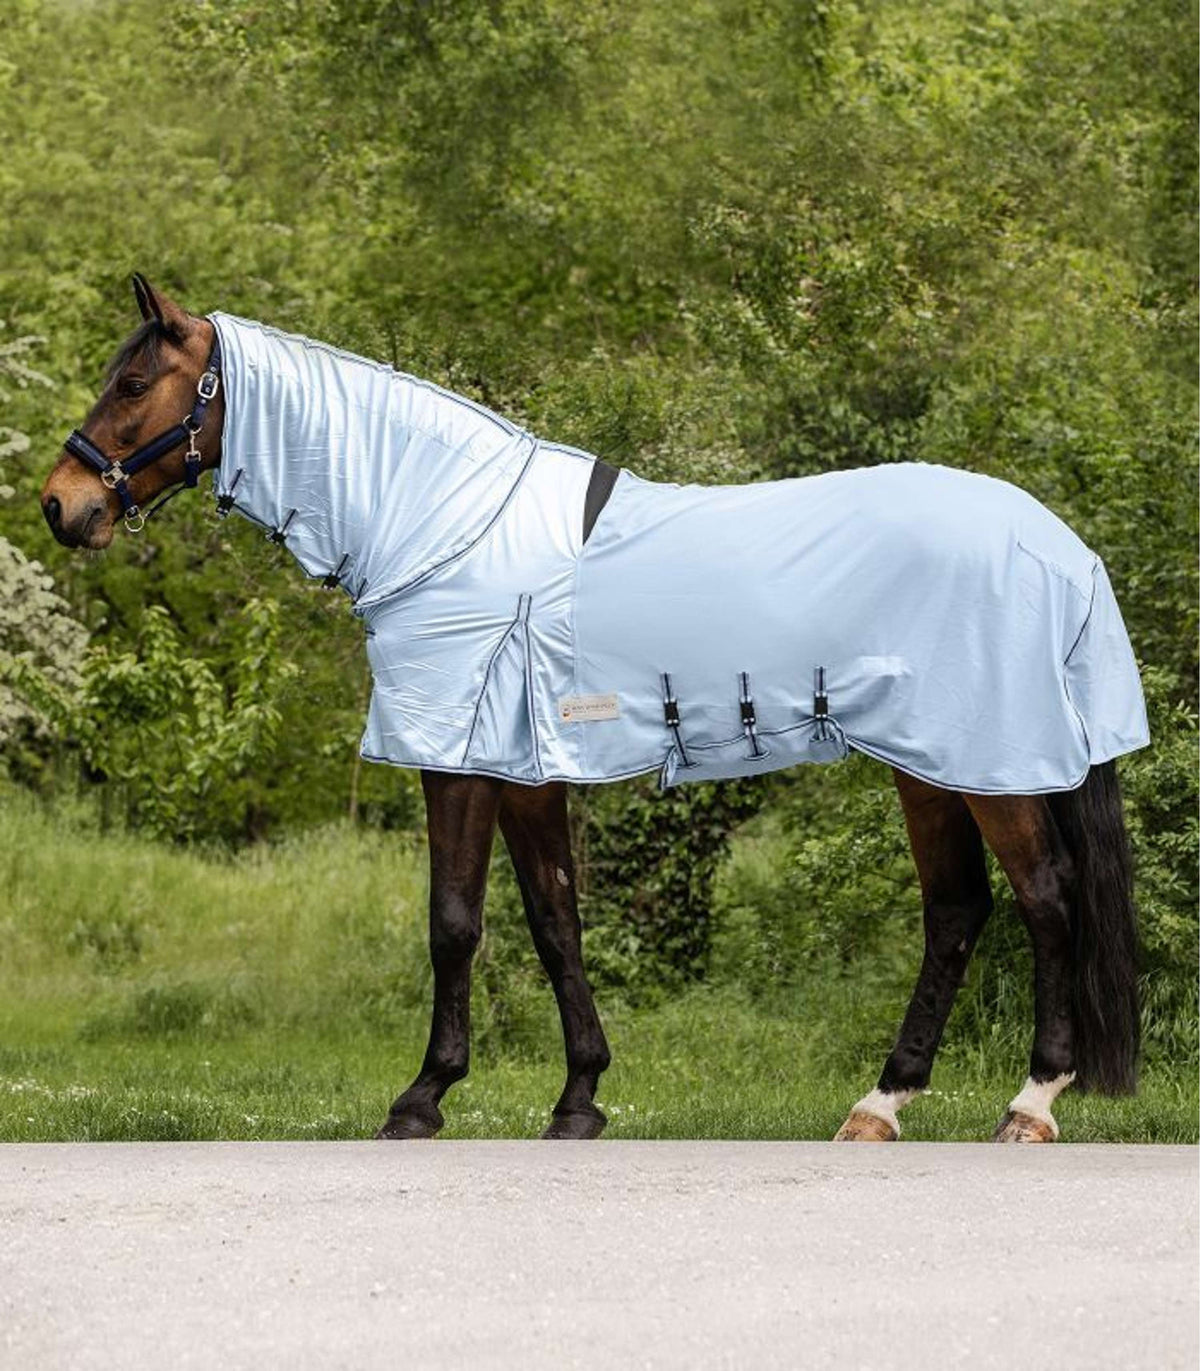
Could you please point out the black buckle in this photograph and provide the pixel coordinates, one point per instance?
(820, 705)
(820, 697)
(225, 502)
(749, 718)
(279, 535)
(671, 715)
(333, 579)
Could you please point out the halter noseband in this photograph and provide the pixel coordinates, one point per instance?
(115, 475)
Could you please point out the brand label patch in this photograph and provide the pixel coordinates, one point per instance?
(587, 709)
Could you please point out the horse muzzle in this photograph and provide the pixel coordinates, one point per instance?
(83, 521)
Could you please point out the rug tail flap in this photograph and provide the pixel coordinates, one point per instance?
(1102, 678)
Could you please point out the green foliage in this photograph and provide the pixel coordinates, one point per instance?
(723, 240)
(38, 639)
(183, 746)
(1161, 800)
(646, 864)
(822, 889)
(38, 635)
(284, 992)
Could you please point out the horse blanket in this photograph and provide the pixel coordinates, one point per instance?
(943, 622)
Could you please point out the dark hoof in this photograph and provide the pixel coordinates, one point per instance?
(410, 1122)
(580, 1123)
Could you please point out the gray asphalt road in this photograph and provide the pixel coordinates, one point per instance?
(529, 1255)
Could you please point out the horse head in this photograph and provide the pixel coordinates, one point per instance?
(155, 426)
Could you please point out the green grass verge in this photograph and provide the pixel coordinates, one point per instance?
(153, 994)
(257, 1087)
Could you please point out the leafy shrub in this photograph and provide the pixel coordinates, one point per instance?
(179, 746)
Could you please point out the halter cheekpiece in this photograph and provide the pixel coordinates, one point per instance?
(115, 475)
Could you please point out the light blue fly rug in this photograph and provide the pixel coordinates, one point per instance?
(943, 622)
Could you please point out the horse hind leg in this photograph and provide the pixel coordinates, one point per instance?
(957, 899)
(1022, 833)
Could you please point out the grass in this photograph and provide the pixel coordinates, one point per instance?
(153, 994)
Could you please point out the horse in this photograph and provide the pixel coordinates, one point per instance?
(1061, 842)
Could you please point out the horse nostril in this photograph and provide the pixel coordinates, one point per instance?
(53, 512)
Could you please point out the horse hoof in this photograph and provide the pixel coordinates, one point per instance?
(861, 1127)
(411, 1123)
(577, 1125)
(1024, 1128)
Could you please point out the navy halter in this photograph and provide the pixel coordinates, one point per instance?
(115, 475)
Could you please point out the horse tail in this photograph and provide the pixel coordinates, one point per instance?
(1107, 1021)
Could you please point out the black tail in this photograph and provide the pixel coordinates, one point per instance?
(1105, 992)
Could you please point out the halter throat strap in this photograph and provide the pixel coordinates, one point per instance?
(115, 475)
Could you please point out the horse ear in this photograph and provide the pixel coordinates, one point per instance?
(176, 321)
(144, 294)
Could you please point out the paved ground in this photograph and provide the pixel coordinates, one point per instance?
(530, 1255)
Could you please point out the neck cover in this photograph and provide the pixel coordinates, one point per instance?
(943, 622)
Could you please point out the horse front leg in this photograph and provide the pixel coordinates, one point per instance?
(534, 823)
(461, 817)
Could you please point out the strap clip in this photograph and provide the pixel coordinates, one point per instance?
(279, 535)
(820, 704)
(225, 502)
(749, 719)
(671, 715)
(333, 579)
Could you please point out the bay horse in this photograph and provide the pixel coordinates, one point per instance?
(1064, 851)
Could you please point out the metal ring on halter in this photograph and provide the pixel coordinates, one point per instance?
(135, 520)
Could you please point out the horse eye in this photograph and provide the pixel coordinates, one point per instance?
(133, 386)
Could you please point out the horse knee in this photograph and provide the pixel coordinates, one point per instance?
(454, 933)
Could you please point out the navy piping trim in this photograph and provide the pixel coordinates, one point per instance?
(330, 350)
(479, 537)
(522, 611)
(533, 732)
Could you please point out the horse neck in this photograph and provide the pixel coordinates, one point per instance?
(367, 463)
